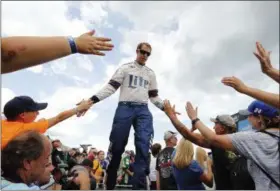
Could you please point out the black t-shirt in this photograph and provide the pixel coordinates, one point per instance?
(221, 171)
(163, 165)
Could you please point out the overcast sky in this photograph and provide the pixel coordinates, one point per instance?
(194, 44)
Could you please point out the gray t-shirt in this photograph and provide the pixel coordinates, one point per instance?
(263, 149)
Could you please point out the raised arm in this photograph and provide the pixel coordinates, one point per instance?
(220, 141)
(85, 105)
(110, 88)
(269, 98)
(22, 51)
(266, 66)
(153, 92)
(195, 138)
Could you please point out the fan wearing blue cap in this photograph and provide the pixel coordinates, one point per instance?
(261, 115)
(260, 148)
(21, 112)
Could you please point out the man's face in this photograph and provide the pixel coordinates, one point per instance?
(173, 140)
(45, 178)
(38, 167)
(219, 129)
(142, 54)
(56, 144)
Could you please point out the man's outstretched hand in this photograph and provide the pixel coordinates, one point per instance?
(83, 107)
(87, 43)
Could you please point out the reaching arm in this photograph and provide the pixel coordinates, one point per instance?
(23, 51)
(153, 93)
(69, 113)
(155, 99)
(274, 74)
(266, 66)
(220, 141)
(269, 98)
(195, 138)
(113, 85)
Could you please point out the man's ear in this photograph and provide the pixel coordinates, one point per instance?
(26, 164)
(22, 115)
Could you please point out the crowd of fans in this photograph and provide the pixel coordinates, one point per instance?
(238, 160)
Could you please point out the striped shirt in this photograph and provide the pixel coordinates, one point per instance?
(263, 149)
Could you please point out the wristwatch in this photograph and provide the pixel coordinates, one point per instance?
(195, 120)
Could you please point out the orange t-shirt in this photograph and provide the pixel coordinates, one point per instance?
(10, 129)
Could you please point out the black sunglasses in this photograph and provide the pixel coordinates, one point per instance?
(144, 52)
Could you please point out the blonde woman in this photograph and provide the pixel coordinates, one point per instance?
(201, 157)
(187, 172)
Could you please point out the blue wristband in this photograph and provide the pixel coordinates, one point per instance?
(72, 44)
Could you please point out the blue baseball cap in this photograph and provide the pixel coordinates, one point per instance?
(260, 108)
(21, 104)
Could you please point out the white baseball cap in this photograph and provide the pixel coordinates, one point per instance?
(168, 135)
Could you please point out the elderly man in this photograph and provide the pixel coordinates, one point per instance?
(24, 161)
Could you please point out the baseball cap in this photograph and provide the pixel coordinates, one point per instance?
(168, 135)
(21, 104)
(225, 120)
(260, 108)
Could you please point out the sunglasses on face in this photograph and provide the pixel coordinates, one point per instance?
(144, 52)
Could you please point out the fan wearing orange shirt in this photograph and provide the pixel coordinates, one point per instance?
(21, 113)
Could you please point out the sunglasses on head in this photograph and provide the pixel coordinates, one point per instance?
(144, 52)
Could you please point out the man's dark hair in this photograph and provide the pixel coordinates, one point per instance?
(87, 163)
(156, 148)
(28, 145)
(139, 46)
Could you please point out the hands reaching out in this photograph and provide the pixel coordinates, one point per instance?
(192, 113)
(83, 107)
(87, 43)
(264, 58)
(170, 111)
(235, 83)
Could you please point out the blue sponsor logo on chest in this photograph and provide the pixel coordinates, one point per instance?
(137, 81)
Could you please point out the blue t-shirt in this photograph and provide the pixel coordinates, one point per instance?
(188, 178)
(7, 185)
